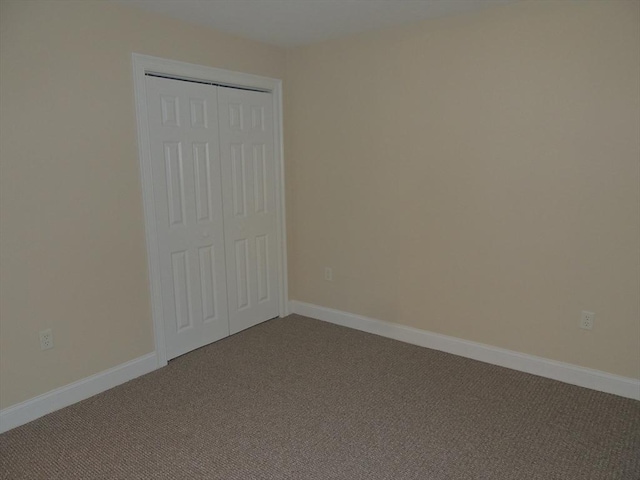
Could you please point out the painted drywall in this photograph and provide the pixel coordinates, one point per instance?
(72, 235)
(476, 176)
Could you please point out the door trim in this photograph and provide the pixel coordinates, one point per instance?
(143, 64)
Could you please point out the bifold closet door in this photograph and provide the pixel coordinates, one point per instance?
(249, 202)
(187, 184)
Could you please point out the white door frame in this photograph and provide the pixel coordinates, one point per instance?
(143, 64)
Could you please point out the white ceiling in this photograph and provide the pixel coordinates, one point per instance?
(291, 23)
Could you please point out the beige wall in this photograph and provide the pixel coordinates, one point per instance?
(476, 176)
(72, 237)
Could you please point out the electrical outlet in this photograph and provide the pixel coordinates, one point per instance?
(328, 274)
(587, 319)
(46, 339)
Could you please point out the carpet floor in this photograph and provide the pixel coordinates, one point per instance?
(297, 398)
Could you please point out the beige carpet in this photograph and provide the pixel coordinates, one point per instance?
(297, 398)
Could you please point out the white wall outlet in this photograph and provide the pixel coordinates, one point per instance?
(328, 274)
(46, 339)
(587, 319)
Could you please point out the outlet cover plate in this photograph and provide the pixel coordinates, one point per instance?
(46, 339)
(328, 274)
(587, 320)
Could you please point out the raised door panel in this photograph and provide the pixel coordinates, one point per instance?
(249, 199)
(183, 125)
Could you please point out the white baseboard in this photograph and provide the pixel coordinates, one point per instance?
(564, 372)
(36, 407)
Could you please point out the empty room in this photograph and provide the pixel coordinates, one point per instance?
(320, 239)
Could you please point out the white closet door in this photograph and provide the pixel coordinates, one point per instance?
(249, 199)
(183, 126)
